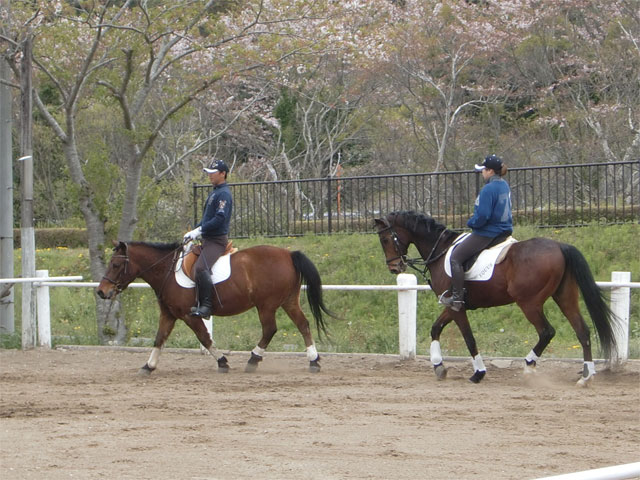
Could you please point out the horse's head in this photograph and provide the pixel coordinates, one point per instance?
(118, 274)
(394, 245)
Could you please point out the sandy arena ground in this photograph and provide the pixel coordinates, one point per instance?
(87, 414)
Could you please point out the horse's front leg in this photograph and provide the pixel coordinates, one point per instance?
(435, 354)
(165, 327)
(196, 324)
(479, 370)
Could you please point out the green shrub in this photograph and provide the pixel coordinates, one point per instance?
(56, 237)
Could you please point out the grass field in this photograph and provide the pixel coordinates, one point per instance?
(368, 319)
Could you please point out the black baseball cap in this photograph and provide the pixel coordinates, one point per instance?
(492, 162)
(216, 166)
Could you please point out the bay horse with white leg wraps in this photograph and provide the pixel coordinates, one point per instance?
(530, 272)
(263, 276)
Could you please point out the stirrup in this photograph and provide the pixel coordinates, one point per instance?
(201, 311)
(448, 301)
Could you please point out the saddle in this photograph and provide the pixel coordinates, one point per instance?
(190, 258)
(480, 266)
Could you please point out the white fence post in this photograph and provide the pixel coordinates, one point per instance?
(620, 306)
(43, 311)
(407, 300)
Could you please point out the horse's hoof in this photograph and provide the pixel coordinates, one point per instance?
(584, 382)
(441, 371)
(145, 371)
(530, 368)
(223, 365)
(314, 367)
(252, 364)
(477, 376)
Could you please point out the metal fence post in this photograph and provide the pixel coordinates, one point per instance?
(407, 305)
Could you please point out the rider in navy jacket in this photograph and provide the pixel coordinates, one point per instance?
(214, 230)
(491, 219)
(217, 212)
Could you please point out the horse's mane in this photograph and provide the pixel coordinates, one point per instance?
(157, 246)
(418, 223)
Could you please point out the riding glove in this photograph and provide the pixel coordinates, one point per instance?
(193, 234)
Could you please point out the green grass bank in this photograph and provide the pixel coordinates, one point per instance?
(368, 320)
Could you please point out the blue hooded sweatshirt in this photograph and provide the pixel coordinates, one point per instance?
(492, 210)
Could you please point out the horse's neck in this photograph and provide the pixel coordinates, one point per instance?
(152, 264)
(433, 246)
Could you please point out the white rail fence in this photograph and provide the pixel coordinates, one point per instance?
(616, 472)
(406, 287)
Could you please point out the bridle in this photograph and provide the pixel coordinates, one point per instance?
(414, 262)
(116, 283)
(396, 245)
(119, 285)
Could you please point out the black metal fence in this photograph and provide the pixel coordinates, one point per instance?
(555, 196)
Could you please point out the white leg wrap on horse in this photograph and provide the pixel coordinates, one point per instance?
(531, 357)
(478, 364)
(591, 368)
(312, 353)
(215, 352)
(258, 351)
(434, 353)
(153, 358)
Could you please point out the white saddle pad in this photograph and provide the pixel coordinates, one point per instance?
(219, 273)
(482, 269)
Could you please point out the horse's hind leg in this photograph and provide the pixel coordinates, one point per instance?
(535, 315)
(165, 327)
(479, 370)
(300, 320)
(269, 329)
(200, 329)
(567, 300)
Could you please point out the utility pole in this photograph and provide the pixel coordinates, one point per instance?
(7, 323)
(27, 234)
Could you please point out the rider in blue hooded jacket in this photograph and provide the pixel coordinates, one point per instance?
(491, 222)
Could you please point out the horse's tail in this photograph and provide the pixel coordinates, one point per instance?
(310, 276)
(601, 314)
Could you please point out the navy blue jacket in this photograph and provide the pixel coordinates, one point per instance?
(217, 212)
(492, 210)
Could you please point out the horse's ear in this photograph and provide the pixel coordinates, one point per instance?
(380, 223)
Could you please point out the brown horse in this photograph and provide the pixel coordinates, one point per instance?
(531, 272)
(264, 277)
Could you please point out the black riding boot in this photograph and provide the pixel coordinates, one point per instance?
(456, 300)
(205, 291)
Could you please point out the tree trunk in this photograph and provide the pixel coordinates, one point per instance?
(110, 319)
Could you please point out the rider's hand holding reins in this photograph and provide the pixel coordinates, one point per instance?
(192, 235)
